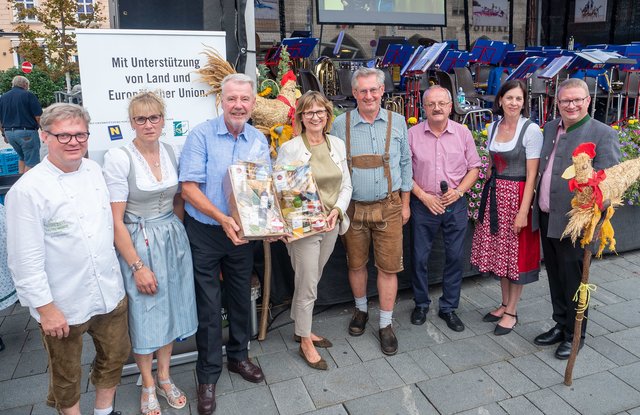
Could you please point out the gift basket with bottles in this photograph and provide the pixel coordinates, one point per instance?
(299, 200)
(252, 201)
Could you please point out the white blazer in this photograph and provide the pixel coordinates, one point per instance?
(294, 150)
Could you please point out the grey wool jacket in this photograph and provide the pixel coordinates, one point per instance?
(607, 154)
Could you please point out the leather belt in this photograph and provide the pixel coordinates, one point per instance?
(388, 196)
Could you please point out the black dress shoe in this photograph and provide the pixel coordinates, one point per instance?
(419, 315)
(564, 349)
(388, 341)
(553, 336)
(502, 330)
(246, 369)
(206, 398)
(452, 320)
(358, 322)
(492, 318)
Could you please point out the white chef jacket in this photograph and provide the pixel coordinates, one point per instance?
(60, 241)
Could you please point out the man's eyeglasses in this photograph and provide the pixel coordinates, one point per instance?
(153, 119)
(576, 102)
(310, 114)
(439, 104)
(372, 91)
(65, 138)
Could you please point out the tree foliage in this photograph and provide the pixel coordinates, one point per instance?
(51, 45)
(39, 83)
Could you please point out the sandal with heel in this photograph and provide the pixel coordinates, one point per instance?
(501, 330)
(174, 394)
(150, 406)
(492, 318)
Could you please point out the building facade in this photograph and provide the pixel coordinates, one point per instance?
(9, 39)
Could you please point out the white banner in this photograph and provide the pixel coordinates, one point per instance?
(491, 13)
(588, 11)
(117, 64)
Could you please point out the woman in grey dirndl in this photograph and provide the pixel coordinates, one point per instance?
(8, 295)
(153, 248)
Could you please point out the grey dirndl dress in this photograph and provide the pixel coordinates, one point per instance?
(161, 242)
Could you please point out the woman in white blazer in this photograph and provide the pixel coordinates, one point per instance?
(326, 155)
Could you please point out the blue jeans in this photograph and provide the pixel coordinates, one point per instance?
(27, 144)
(425, 226)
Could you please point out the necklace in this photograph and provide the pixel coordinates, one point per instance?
(154, 163)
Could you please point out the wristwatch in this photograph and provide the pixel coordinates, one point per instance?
(136, 266)
(461, 194)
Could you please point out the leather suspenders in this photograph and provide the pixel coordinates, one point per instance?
(371, 161)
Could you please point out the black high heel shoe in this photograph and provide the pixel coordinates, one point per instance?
(492, 318)
(501, 331)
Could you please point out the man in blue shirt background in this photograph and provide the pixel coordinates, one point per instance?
(209, 150)
(20, 114)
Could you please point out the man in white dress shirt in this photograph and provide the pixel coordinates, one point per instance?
(64, 265)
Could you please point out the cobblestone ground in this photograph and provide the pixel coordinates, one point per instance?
(436, 370)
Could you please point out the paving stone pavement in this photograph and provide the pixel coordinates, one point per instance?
(436, 370)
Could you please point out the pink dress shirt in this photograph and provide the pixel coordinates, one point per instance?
(544, 198)
(448, 157)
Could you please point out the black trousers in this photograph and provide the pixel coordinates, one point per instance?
(213, 252)
(564, 265)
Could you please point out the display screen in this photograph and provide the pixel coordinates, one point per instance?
(387, 12)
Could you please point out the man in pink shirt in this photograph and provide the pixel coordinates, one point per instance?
(445, 165)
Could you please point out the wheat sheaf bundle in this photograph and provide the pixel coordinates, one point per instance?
(214, 71)
(591, 189)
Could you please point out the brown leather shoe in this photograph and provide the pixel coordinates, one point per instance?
(320, 364)
(246, 369)
(323, 343)
(358, 322)
(388, 341)
(206, 398)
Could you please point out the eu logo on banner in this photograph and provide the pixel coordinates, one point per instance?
(114, 132)
(180, 128)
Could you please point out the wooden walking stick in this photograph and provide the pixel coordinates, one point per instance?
(583, 294)
(596, 194)
(266, 291)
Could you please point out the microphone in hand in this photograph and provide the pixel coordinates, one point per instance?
(444, 187)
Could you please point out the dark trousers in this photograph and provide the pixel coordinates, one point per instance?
(213, 252)
(425, 226)
(564, 265)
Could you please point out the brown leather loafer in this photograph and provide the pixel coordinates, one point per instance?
(206, 398)
(320, 364)
(388, 341)
(324, 343)
(246, 369)
(358, 322)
